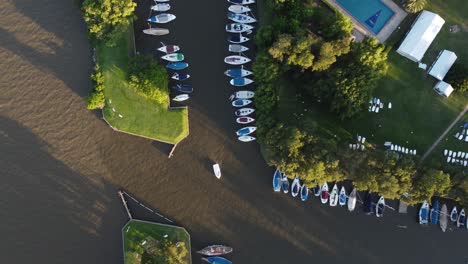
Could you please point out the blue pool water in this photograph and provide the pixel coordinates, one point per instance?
(372, 13)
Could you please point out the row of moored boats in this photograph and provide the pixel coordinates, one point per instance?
(240, 25)
(338, 196)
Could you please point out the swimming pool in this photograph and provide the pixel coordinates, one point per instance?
(372, 13)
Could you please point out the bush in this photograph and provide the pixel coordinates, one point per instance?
(428, 184)
(95, 100)
(458, 77)
(148, 79)
(414, 6)
(106, 19)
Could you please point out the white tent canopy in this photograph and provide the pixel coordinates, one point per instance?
(443, 88)
(422, 33)
(442, 64)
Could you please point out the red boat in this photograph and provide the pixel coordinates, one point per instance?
(244, 120)
(215, 250)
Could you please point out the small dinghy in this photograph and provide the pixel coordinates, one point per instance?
(454, 214)
(277, 181)
(246, 138)
(443, 219)
(243, 95)
(237, 39)
(180, 65)
(241, 18)
(368, 204)
(324, 195)
(295, 187)
(424, 213)
(180, 76)
(162, 18)
(239, 9)
(237, 48)
(316, 190)
(238, 28)
(304, 193)
(234, 73)
(461, 221)
(161, 7)
(215, 250)
(183, 88)
(240, 81)
(156, 31)
(236, 60)
(434, 214)
(334, 196)
(169, 48)
(244, 111)
(161, 1)
(241, 2)
(181, 97)
(217, 170)
(173, 57)
(241, 102)
(342, 196)
(352, 198)
(285, 183)
(245, 131)
(244, 120)
(380, 208)
(217, 260)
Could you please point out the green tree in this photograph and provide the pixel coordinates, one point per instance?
(265, 68)
(148, 79)
(282, 47)
(106, 19)
(429, 183)
(339, 27)
(300, 54)
(95, 100)
(458, 77)
(414, 6)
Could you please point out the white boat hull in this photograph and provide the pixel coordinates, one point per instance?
(352, 200)
(324, 189)
(169, 48)
(237, 48)
(245, 111)
(239, 9)
(156, 31)
(240, 120)
(181, 97)
(334, 196)
(173, 57)
(244, 94)
(246, 138)
(161, 7)
(217, 170)
(236, 60)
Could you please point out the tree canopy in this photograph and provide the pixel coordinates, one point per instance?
(106, 19)
(414, 6)
(427, 184)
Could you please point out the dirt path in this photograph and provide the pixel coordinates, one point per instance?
(434, 145)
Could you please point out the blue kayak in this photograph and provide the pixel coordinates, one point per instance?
(217, 260)
(435, 212)
(180, 65)
(277, 181)
(424, 213)
(183, 88)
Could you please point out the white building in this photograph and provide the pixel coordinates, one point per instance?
(443, 88)
(422, 33)
(442, 64)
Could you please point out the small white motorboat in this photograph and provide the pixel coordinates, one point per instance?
(156, 31)
(236, 60)
(241, 102)
(237, 48)
(239, 9)
(241, 2)
(244, 111)
(181, 97)
(244, 94)
(169, 48)
(334, 196)
(173, 57)
(380, 207)
(161, 1)
(246, 138)
(352, 198)
(324, 194)
(217, 170)
(443, 218)
(241, 18)
(295, 187)
(162, 18)
(161, 7)
(244, 120)
(454, 214)
(238, 28)
(237, 72)
(240, 81)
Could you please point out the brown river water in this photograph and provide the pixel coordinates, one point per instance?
(61, 166)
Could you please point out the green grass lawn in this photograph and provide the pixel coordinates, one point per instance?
(140, 116)
(138, 233)
(418, 115)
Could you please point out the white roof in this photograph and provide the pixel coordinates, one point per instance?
(443, 88)
(442, 64)
(421, 35)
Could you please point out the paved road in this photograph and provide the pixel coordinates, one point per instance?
(62, 166)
